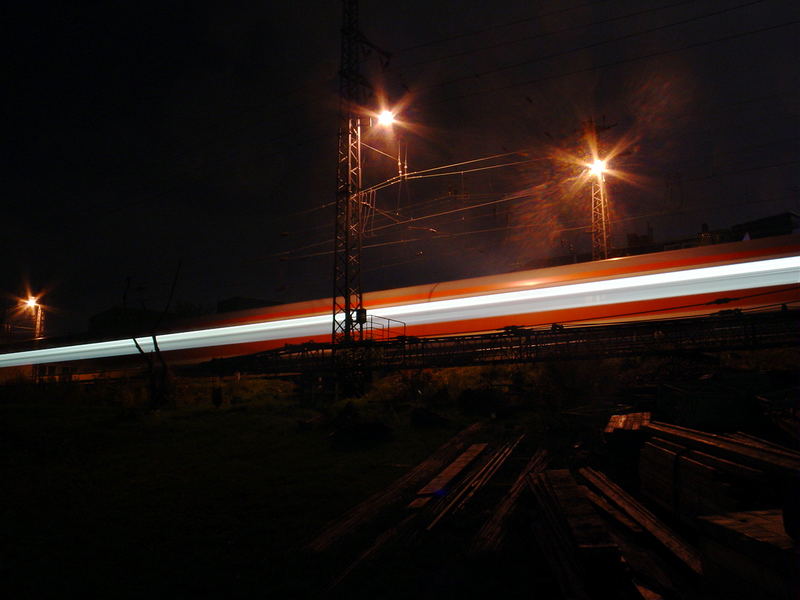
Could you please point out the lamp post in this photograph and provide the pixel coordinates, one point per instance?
(349, 314)
(601, 228)
(385, 118)
(33, 305)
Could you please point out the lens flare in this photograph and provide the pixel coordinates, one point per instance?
(598, 167)
(386, 118)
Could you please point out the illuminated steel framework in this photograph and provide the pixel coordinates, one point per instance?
(348, 304)
(601, 226)
(38, 319)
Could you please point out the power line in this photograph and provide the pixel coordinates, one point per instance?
(447, 236)
(616, 63)
(492, 28)
(509, 198)
(161, 193)
(544, 35)
(594, 44)
(524, 226)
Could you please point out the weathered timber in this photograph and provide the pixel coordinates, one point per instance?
(646, 593)
(628, 422)
(419, 502)
(477, 479)
(552, 535)
(489, 471)
(775, 461)
(757, 442)
(606, 507)
(378, 546)
(490, 536)
(580, 536)
(749, 554)
(439, 483)
(681, 549)
(371, 507)
(674, 478)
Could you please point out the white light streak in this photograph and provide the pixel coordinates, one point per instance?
(672, 284)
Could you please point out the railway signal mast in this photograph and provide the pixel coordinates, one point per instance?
(349, 315)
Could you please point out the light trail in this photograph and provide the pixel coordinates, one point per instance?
(654, 286)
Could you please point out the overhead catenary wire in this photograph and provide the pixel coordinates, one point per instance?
(287, 254)
(511, 227)
(445, 237)
(681, 165)
(615, 63)
(594, 44)
(403, 69)
(494, 27)
(158, 194)
(161, 193)
(302, 212)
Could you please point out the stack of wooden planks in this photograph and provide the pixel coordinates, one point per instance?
(368, 510)
(749, 554)
(628, 422)
(472, 483)
(575, 541)
(439, 485)
(693, 472)
(490, 537)
(646, 520)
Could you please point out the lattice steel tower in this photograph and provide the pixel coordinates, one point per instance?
(600, 223)
(351, 210)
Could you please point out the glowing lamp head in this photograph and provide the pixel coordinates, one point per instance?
(385, 118)
(598, 167)
(31, 302)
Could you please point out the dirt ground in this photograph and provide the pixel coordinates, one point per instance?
(104, 496)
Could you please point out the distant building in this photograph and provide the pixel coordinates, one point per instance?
(781, 224)
(707, 237)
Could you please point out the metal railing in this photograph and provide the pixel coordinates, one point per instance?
(517, 344)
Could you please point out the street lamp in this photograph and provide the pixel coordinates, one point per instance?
(598, 167)
(32, 303)
(385, 118)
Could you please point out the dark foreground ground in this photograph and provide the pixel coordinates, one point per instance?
(129, 503)
(104, 496)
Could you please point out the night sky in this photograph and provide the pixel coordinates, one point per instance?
(149, 140)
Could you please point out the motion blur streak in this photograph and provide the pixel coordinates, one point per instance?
(672, 284)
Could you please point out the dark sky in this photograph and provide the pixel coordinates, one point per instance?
(145, 139)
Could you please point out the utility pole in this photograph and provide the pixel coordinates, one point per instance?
(349, 315)
(353, 90)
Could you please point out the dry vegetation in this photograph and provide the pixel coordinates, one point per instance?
(218, 491)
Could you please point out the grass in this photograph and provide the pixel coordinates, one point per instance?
(100, 499)
(102, 496)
